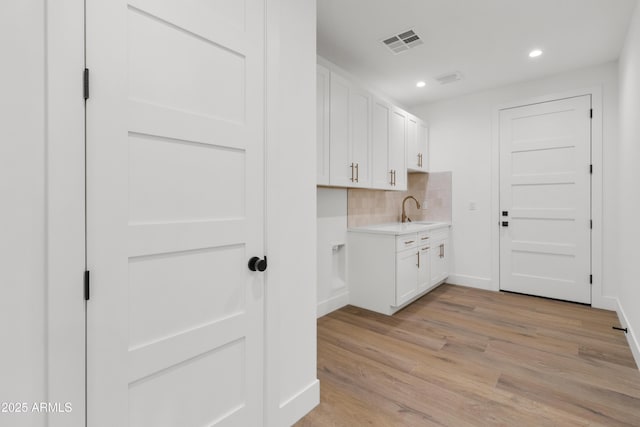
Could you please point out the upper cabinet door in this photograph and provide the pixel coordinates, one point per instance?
(423, 145)
(413, 160)
(397, 148)
(381, 169)
(363, 141)
(360, 120)
(350, 134)
(341, 169)
(323, 90)
(416, 145)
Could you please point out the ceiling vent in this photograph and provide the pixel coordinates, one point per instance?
(399, 43)
(449, 78)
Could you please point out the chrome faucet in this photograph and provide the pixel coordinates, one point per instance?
(405, 218)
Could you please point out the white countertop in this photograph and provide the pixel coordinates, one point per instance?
(398, 228)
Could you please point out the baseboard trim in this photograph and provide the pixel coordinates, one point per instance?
(300, 404)
(631, 338)
(472, 282)
(604, 303)
(327, 306)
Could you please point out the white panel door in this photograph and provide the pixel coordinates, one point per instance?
(175, 210)
(545, 237)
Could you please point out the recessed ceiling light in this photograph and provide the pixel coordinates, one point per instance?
(535, 53)
(421, 84)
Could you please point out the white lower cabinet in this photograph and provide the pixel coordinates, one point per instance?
(406, 275)
(439, 257)
(388, 271)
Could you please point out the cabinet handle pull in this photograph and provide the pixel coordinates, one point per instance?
(418, 253)
(352, 180)
(391, 173)
(424, 238)
(357, 172)
(408, 242)
(442, 250)
(394, 178)
(426, 248)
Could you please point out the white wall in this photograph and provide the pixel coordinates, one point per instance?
(629, 189)
(292, 386)
(333, 292)
(461, 141)
(23, 210)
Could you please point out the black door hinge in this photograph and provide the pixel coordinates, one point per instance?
(87, 285)
(591, 279)
(85, 84)
(591, 113)
(591, 169)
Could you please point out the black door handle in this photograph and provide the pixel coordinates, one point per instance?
(505, 223)
(257, 264)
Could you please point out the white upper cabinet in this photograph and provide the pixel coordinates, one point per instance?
(382, 173)
(398, 148)
(423, 145)
(350, 134)
(417, 145)
(388, 143)
(362, 140)
(323, 82)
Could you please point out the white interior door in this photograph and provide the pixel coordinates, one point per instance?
(175, 210)
(545, 187)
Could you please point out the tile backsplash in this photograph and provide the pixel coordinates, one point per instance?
(369, 207)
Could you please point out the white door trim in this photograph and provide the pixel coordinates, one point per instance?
(598, 300)
(65, 204)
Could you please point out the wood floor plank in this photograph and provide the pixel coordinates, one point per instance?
(468, 357)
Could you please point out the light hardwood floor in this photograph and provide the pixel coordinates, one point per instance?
(467, 357)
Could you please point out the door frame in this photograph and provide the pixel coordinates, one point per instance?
(65, 209)
(598, 300)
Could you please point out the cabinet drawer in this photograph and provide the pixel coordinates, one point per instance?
(439, 234)
(406, 241)
(423, 238)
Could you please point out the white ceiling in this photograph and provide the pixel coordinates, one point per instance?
(488, 41)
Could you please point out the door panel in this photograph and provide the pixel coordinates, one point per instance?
(176, 210)
(380, 145)
(412, 143)
(406, 275)
(545, 187)
(398, 147)
(340, 151)
(323, 79)
(360, 101)
(424, 271)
